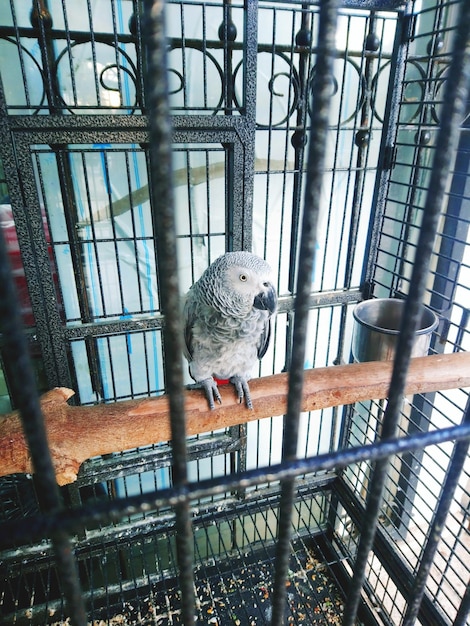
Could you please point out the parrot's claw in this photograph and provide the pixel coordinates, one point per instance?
(209, 386)
(210, 389)
(243, 391)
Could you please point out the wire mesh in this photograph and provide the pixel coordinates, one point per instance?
(76, 154)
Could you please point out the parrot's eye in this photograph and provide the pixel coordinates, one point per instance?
(243, 278)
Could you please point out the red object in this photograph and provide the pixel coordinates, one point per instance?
(7, 225)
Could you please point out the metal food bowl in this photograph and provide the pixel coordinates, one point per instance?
(377, 326)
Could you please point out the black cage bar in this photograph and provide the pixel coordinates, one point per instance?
(139, 142)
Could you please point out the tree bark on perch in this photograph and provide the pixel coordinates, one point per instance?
(77, 433)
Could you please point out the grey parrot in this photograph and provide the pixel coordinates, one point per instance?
(227, 319)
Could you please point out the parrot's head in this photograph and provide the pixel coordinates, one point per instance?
(245, 283)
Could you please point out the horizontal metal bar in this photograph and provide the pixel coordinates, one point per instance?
(16, 33)
(377, 5)
(40, 526)
(156, 322)
(37, 557)
(94, 125)
(130, 463)
(322, 299)
(113, 328)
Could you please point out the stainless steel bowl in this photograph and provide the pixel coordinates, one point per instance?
(377, 326)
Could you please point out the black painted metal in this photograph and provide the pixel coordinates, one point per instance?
(464, 609)
(15, 351)
(449, 260)
(392, 561)
(163, 215)
(233, 124)
(454, 106)
(397, 73)
(299, 138)
(458, 459)
(35, 259)
(42, 525)
(321, 94)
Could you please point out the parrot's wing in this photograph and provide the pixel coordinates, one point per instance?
(264, 339)
(189, 311)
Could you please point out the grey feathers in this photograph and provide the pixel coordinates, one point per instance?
(227, 317)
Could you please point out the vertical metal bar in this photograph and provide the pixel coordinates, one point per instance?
(361, 140)
(422, 139)
(446, 498)
(135, 28)
(315, 167)
(299, 137)
(227, 34)
(452, 114)
(20, 56)
(41, 20)
(71, 217)
(58, 373)
(29, 226)
(22, 383)
(165, 239)
(250, 63)
(392, 108)
(464, 609)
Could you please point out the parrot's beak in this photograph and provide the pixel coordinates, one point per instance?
(266, 300)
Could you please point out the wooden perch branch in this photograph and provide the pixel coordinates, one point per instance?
(77, 433)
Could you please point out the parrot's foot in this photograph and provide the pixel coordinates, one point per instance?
(210, 389)
(243, 391)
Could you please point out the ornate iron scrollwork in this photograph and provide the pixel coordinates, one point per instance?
(100, 72)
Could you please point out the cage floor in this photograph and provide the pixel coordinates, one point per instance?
(237, 591)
